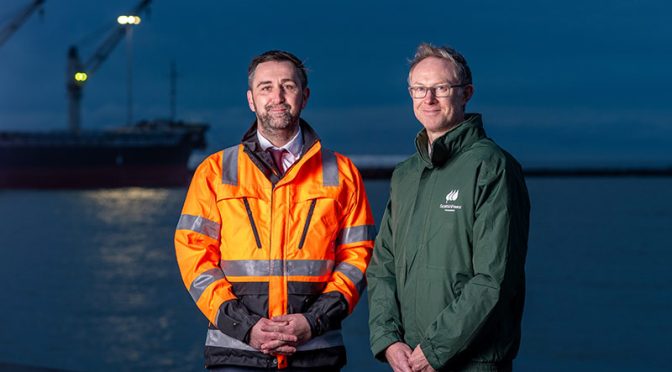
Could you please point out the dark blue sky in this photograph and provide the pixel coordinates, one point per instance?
(559, 83)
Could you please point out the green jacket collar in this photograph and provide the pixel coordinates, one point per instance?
(451, 143)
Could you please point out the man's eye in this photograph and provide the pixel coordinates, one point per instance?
(266, 88)
(290, 87)
(420, 90)
(442, 89)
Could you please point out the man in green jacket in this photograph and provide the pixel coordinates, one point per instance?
(447, 279)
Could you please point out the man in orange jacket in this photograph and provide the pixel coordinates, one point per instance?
(275, 235)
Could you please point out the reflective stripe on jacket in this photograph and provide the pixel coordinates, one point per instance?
(251, 243)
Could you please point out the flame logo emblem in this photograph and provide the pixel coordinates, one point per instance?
(452, 196)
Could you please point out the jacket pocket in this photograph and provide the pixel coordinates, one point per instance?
(307, 224)
(315, 224)
(243, 226)
(252, 224)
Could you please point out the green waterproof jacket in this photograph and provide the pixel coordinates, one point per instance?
(448, 266)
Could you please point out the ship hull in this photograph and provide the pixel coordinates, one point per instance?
(154, 156)
(89, 167)
(94, 177)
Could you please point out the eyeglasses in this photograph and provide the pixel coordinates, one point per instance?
(441, 90)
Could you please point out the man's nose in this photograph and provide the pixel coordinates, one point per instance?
(278, 95)
(430, 97)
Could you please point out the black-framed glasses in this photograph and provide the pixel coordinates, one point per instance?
(441, 90)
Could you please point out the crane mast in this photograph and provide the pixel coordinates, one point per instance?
(19, 20)
(78, 73)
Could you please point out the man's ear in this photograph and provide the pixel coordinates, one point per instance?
(468, 92)
(306, 94)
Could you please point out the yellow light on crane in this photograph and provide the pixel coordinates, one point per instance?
(128, 20)
(81, 76)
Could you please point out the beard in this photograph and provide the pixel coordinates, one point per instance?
(272, 123)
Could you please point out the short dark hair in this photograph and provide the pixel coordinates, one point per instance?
(277, 56)
(426, 50)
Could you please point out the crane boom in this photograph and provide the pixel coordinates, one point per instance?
(15, 23)
(79, 72)
(112, 40)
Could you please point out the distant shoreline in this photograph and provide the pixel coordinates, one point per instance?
(598, 172)
(386, 172)
(381, 167)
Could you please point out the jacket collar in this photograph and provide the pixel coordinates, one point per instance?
(251, 142)
(294, 146)
(262, 159)
(451, 143)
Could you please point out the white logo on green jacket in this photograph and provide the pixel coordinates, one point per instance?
(450, 198)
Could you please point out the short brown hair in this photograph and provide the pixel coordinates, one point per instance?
(277, 56)
(426, 50)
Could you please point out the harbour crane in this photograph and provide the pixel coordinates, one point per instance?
(22, 16)
(78, 73)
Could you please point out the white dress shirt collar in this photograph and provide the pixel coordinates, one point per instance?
(293, 147)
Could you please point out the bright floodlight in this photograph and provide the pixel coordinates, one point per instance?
(81, 76)
(128, 20)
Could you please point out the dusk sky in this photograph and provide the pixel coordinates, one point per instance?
(558, 83)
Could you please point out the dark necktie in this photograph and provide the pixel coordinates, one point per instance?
(277, 158)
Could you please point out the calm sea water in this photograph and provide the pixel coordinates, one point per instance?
(89, 280)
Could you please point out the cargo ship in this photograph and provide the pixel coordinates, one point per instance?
(148, 154)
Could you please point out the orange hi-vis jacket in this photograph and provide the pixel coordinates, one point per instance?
(253, 243)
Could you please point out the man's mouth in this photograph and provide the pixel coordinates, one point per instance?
(277, 109)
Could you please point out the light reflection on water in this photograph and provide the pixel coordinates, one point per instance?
(127, 207)
(126, 234)
(94, 282)
(134, 254)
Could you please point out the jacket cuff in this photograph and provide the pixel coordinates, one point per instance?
(326, 313)
(381, 344)
(235, 320)
(312, 322)
(431, 356)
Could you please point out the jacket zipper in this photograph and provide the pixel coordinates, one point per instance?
(254, 226)
(305, 228)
